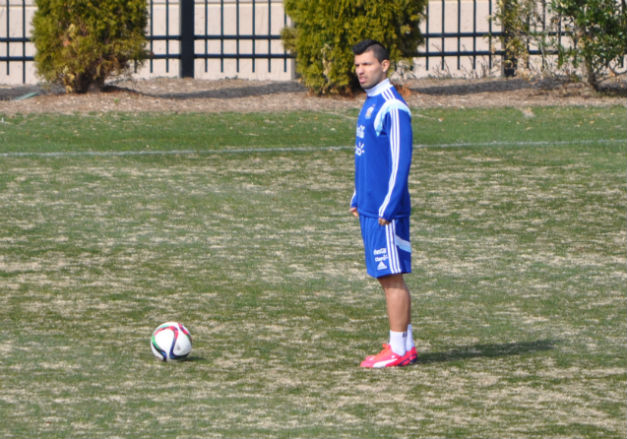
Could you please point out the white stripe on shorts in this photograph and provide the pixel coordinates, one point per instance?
(390, 232)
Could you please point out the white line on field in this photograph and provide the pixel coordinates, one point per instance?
(524, 143)
(145, 152)
(62, 154)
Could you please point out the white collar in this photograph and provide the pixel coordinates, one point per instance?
(379, 88)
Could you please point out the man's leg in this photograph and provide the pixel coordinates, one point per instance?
(398, 301)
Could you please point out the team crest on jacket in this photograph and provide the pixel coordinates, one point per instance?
(369, 112)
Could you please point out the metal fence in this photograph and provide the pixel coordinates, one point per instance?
(203, 36)
(442, 44)
(227, 38)
(14, 41)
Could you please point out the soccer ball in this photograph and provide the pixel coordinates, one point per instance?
(171, 341)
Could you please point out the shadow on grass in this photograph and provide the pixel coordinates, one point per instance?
(486, 351)
(234, 92)
(471, 87)
(278, 87)
(611, 87)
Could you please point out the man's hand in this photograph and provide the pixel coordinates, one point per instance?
(353, 210)
(383, 222)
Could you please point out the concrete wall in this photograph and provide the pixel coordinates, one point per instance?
(14, 21)
(217, 18)
(452, 17)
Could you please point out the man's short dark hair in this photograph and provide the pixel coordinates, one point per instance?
(378, 49)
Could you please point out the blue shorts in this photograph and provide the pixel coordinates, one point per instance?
(387, 248)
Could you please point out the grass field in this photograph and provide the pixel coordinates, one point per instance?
(238, 226)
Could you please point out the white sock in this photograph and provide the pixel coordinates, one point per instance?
(409, 340)
(397, 342)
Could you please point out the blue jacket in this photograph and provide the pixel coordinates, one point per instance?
(383, 150)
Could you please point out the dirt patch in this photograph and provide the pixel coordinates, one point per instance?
(190, 95)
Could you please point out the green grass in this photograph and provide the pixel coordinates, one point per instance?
(242, 233)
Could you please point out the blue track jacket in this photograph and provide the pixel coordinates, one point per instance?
(383, 150)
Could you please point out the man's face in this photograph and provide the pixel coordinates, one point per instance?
(369, 70)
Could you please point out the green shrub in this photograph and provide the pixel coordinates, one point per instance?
(324, 32)
(589, 36)
(80, 43)
(598, 33)
(516, 18)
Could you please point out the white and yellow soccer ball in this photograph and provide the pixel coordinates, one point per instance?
(171, 341)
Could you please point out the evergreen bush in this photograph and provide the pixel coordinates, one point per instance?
(324, 32)
(80, 43)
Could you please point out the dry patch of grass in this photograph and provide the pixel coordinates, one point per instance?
(518, 290)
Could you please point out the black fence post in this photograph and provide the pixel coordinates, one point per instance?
(187, 39)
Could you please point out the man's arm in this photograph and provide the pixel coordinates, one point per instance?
(400, 134)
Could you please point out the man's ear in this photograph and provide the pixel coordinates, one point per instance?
(386, 65)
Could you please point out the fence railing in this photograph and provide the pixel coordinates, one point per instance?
(475, 36)
(213, 39)
(217, 38)
(14, 42)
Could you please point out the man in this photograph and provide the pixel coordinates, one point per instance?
(383, 150)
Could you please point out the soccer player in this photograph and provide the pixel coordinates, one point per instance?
(383, 150)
